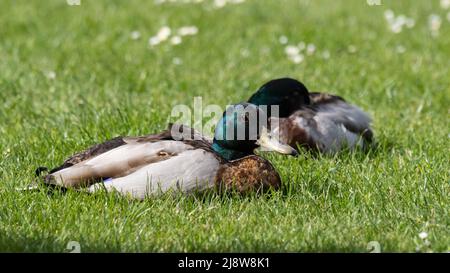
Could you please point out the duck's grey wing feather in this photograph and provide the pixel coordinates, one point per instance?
(351, 116)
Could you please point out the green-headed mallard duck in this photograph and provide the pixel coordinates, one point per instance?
(176, 159)
(313, 120)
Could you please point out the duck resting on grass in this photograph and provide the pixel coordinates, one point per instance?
(315, 121)
(178, 159)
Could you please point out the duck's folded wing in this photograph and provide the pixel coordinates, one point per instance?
(184, 132)
(91, 152)
(335, 108)
(117, 162)
(188, 171)
(121, 156)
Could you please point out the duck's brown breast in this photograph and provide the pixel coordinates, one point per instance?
(248, 174)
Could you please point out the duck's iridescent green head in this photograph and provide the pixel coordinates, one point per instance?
(287, 93)
(241, 129)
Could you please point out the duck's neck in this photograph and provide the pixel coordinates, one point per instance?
(227, 153)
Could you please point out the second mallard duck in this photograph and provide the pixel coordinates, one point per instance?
(317, 121)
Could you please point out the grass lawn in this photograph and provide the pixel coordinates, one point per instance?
(72, 76)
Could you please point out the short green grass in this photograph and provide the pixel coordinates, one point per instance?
(107, 84)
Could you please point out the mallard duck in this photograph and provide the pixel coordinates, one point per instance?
(316, 121)
(178, 158)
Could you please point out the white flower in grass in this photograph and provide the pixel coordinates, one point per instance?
(177, 61)
(445, 4)
(326, 54)
(175, 40)
(396, 26)
(298, 58)
(220, 3)
(135, 35)
(434, 23)
(153, 41)
(410, 22)
(423, 235)
(283, 40)
(400, 49)
(187, 30)
(291, 50)
(310, 49)
(301, 45)
(245, 52)
(352, 49)
(164, 33)
(401, 19)
(389, 15)
(51, 75)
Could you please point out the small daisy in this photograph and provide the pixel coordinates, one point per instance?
(401, 19)
(220, 3)
(51, 75)
(301, 45)
(445, 4)
(396, 26)
(164, 33)
(352, 49)
(400, 49)
(135, 35)
(326, 54)
(310, 49)
(245, 53)
(410, 22)
(187, 30)
(283, 40)
(153, 41)
(389, 15)
(291, 50)
(423, 235)
(175, 40)
(297, 58)
(434, 23)
(177, 61)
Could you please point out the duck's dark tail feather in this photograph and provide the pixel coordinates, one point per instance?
(39, 170)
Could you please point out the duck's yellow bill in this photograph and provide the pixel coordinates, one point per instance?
(267, 142)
